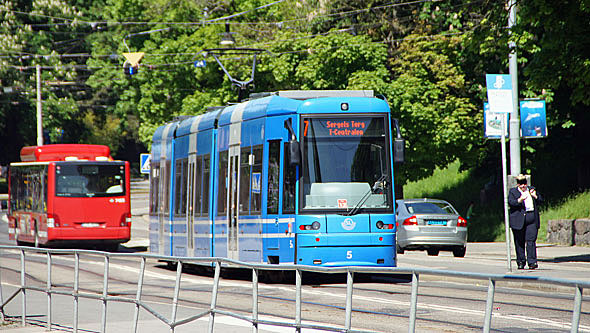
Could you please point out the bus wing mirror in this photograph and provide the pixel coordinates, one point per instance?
(293, 148)
(399, 146)
(294, 152)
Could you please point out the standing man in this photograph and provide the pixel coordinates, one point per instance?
(524, 221)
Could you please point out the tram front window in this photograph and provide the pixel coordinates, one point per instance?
(346, 165)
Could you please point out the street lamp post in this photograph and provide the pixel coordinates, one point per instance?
(39, 109)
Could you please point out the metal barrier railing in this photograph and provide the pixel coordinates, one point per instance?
(254, 319)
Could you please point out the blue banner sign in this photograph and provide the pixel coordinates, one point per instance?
(533, 119)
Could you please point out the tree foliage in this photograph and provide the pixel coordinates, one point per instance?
(429, 60)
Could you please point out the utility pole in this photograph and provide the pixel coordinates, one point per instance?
(514, 129)
(39, 110)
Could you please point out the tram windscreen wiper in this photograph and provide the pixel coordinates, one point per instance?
(378, 183)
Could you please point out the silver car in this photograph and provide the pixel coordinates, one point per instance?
(431, 225)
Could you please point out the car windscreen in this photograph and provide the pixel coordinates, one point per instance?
(89, 180)
(430, 208)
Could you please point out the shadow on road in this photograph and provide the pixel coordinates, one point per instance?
(577, 258)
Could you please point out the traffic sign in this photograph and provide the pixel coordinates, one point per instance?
(144, 163)
(499, 92)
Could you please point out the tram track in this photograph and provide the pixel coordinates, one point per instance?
(273, 296)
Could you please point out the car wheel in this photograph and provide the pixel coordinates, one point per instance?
(398, 249)
(432, 252)
(459, 251)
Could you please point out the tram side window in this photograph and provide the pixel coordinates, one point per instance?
(155, 187)
(274, 171)
(256, 180)
(244, 180)
(289, 178)
(180, 187)
(222, 185)
(197, 186)
(166, 200)
(206, 175)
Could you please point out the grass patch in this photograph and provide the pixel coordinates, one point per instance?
(486, 223)
(575, 206)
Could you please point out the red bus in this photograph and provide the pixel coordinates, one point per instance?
(69, 194)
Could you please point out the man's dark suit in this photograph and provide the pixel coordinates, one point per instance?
(525, 234)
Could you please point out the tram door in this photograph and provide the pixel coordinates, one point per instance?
(233, 200)
(190, 216)
(163, 204)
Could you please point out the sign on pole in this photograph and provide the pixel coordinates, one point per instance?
(533, 119)
(144, 163)
(499, 88)
(492, 123)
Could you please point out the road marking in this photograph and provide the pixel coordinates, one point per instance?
(459, 310)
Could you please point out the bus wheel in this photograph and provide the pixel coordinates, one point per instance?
(111, 247)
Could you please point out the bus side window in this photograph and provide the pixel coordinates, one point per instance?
(274, 160)
(289, 174)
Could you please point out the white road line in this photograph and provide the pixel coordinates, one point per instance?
(459, 310)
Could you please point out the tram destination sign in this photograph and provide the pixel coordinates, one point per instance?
(342, 127)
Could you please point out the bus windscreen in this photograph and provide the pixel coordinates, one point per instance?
(89, 180)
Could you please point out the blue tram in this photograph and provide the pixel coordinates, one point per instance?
(293, 177)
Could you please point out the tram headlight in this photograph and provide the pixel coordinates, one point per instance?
(314, 226)
(381, 225)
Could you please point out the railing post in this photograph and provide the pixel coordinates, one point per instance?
(297, 300)
(489, 306)
(349, 285)
(22, 286)
(49, 312)
(76, 288)
(105, 293)
(577, 309)
(254, 300)
(138, 294)
(176, 291)
(1, 294)
(214, 297)
(414, 303)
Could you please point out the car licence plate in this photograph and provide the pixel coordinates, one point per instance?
(436, 222)
(90, 225)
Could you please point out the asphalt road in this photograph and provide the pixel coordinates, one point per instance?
(380, 303)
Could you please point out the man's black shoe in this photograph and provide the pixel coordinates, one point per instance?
(533, 266)
(520, 266)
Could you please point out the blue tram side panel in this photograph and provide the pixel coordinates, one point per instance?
(160, 223)
(233, 191)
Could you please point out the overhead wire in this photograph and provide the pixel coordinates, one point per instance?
(116, 56)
